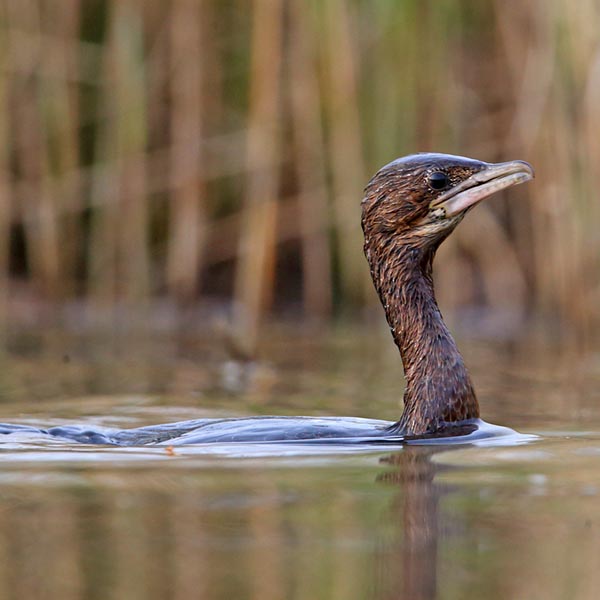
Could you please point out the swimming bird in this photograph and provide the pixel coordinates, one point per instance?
(409, 208)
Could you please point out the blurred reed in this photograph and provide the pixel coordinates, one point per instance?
(193, 150)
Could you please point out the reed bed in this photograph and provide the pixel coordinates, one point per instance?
(194, 150)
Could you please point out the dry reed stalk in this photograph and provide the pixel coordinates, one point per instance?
(157, 34)
(213, 70)
(533, 69)
(393, 104)
(508, 57)
(434, 93)
(187, 223)
(60, 106)
(254, 277)
(310, 161)
(39, 209)
(526, 63)
(540, 103)
(586, 57)
(104, 218)
(560, 271)
(131, 133)
(585, 214)
(591, 126)
(6, 197)
(348, 171)
(119, 251)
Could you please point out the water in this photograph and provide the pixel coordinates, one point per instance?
(519, 520)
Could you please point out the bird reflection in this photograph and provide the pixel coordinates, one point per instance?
(416, 506)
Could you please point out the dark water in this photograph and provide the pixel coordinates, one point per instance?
(519, 519)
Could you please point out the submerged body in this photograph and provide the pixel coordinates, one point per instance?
(410, 206)
(300, 430)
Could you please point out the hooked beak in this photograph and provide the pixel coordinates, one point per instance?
(480, 185)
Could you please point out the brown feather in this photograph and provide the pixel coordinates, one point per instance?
(401, 238)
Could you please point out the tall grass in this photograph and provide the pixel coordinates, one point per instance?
(188, 149)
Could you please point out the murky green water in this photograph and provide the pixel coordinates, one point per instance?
(475, 522)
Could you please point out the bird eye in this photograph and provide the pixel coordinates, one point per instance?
(438, 180)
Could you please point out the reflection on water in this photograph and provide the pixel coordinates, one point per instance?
(417, 508)
(406, 525)
(517, 521)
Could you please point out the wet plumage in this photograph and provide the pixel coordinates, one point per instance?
(409, 208)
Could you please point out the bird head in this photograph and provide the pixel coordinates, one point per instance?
(425, 196)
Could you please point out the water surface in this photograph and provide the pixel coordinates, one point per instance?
(494, 521)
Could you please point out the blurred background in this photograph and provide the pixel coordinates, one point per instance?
(157, 156)
(195, 167)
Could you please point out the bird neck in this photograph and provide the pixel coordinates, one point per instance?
(438, 387)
